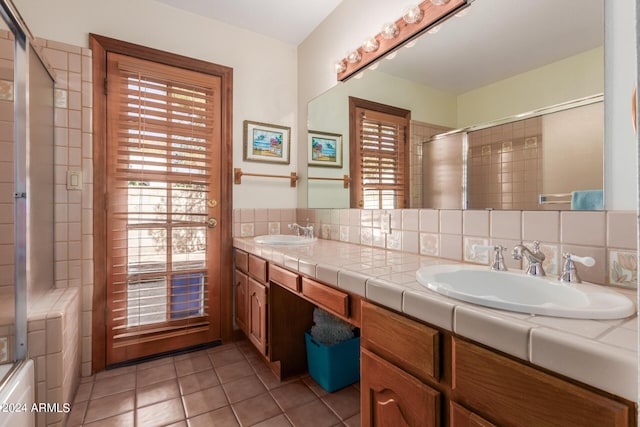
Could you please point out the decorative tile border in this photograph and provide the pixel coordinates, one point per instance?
(623, 268)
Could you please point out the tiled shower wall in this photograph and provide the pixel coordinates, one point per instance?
(608, 237)
(420, 132)
(57, 360)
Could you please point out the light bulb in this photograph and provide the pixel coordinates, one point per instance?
(370, 44)
(354, 57)
(341, 66)
(412, 15)
(390, 30)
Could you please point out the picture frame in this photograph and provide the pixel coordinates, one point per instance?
(324, 149)
(264, 142)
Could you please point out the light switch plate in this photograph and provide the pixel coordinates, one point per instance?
(74, 180)
(385, 223)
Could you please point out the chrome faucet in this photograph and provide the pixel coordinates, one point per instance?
(534, 258)
(307, 231)
(498, 260)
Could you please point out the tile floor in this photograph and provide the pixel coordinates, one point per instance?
(227, 385)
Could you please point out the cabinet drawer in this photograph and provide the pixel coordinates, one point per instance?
(284, 277)
(409, 344)
(258, 268)
(325, 296)
(242, 260)
(461, 417)
(519, 395)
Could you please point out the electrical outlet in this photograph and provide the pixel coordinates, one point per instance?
(385, 223)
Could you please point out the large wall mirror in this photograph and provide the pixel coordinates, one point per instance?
(490, 66)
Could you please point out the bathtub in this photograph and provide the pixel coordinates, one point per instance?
(17, 395)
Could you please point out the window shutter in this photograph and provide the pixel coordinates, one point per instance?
(159, 156)
(382, 152)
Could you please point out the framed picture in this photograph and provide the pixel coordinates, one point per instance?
(266, 143)
(325, 149)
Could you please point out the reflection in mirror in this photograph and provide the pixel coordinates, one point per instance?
(527, 163)
(494, 62)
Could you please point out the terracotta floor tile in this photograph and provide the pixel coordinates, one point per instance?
(292, 394)
(191, 355)
(125, 370)
(198, 381)
(268, 378)
(353, 421)
(182, 423)
(278, 421)
(156, 374)
(83, 393)
(244, 388)
(157, 392)
(193, 364)
(76, 416)
(112, 385)
(345, 402)
(313, 414)
(122, 420)
(256, 409)
(314, 386)
(222, 417)
(155, 363)
(223, 358)
(234, 371)
(160, 414)
(223, 347)
(109, 406)
(204, 401)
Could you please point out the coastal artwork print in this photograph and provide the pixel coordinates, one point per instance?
(265, 142)
(325, 149)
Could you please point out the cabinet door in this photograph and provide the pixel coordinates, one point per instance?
(393, 398)
(242, 301)
(257, 321)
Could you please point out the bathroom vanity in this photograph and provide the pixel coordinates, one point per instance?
(426, 359)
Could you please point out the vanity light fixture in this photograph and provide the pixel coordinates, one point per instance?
(414, 21)
(371, 44)
(354, 57)
(390, 31)
(413, 15)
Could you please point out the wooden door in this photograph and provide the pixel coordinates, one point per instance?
(391, 397)
(257, 311)
(163, 203)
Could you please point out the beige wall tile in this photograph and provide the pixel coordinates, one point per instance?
(506, 225)
(583, 228)
(542, 226)
(475, 223)
(622, 228)
(429, 220)
(595, 274)
(451, 246)
(451, 221)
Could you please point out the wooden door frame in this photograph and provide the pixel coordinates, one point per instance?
(100, 45)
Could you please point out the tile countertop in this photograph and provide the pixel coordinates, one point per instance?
(601, 353)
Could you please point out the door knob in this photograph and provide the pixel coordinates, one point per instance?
(212, 222)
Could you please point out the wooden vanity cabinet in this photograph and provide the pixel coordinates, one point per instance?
(242, 300)
(463, 384)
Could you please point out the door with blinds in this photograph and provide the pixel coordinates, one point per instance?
(163, 204)
(379, 155)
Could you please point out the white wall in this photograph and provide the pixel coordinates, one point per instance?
(264, 69)
(354, 19)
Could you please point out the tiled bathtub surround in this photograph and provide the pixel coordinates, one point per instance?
(608, 237)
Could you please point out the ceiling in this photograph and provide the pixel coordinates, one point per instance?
(290, 21)
(500, 38)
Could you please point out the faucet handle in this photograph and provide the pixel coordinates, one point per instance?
(498, 260)
(584, 260)
(569, 273)
(536, 246)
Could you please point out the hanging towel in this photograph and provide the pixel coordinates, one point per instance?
(587, 200)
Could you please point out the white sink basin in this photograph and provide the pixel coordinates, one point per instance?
(525, 294)
(284, 240)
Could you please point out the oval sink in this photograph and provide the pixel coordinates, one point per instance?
(525, 294)
(284, 240)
